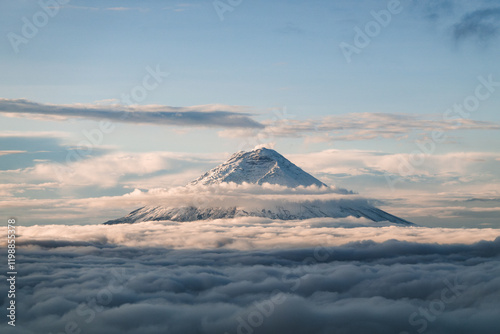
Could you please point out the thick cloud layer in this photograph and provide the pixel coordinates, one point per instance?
(361, 287)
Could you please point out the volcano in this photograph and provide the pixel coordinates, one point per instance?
(262, 167)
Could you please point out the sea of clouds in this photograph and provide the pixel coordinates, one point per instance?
(254, 275)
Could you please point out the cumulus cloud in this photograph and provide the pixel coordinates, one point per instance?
(76, 169)
(105, 171)
(437, 189)
(447, 165)
(198, 116)
(98, 285)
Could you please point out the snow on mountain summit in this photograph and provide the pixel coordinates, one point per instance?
(259, 166)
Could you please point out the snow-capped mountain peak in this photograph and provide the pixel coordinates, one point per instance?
(259, 166)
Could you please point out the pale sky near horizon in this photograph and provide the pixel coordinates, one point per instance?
(185, 84)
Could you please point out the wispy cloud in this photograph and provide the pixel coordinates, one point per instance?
(114, 9)
(124, 9)
(118, 9)
(239, 123)
(34, 134)
(359, 126)
(181, 7)
(481, 25)
(197, 116)
(7, 152)
(461, 21)
(435, 10)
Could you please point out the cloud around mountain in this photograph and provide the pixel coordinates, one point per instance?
(437, 192)
(267, 168)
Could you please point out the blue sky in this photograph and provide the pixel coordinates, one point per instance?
(275, 63)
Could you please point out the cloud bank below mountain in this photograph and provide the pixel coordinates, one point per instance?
(247, 233)
(100, 286)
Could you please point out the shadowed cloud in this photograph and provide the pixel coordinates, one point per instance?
(198, 116)
(482, 25)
